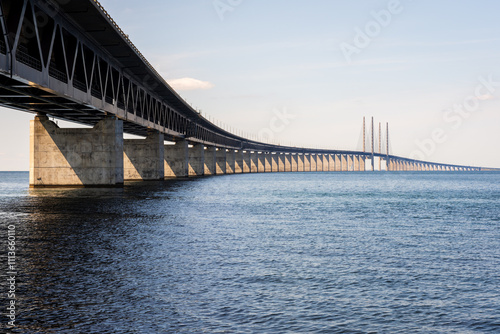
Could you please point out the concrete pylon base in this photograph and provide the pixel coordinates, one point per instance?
(143, 158)
(62, 157)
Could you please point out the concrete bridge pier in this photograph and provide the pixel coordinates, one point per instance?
(307, 162)
(331, 162)
(238, 162)
(277, 162)
(143, 159)
(319, 162)
(261, 166)
(254, 162)
(288, 162)
(230, 161)
(268, 168)
(338, 163)
(314, 162)
(76, 157)
(220, 161)
(210, 159)
(247, 162)
(294, 162)
(280, 162)
(196, 160)
(177, 159)
(344, 165)
(300, 162)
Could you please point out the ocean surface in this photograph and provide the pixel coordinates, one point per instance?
(256, 253)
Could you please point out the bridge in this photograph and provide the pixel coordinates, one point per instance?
(69, 60)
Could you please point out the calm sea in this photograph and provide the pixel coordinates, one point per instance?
(257, 253)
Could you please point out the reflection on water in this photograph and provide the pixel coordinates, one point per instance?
(301, 252)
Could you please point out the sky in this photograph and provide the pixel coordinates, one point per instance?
(307, 72)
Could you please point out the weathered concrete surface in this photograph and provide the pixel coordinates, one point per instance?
(319, 162)
(196, 160)
(280, 162)
(356, 163)
(345, 166)
(238, 162)
(254, 162)
(76, 157)
(350, 163)
(288, 162)
(325, 163)
(220, 161)
(300, 163)
(210, 157)
(267, 162)
(261, 162)
(314, 163)
(362, 163)
(143, 159)
(294, 162)
(176, 159)
(230, 161)
(247, 162)
(338, 163)
(275, 162)
(331, 162)
(307, 162)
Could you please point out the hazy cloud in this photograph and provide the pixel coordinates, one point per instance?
(189, 84)
(486, 97)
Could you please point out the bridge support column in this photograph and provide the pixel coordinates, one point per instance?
(331, 162)
(247, 162)
(268, 168)
(281, 162)
(319, 162)
(76, 157)
(196, 160)
(261, 162)
(343, 163)
(350, 163)
(326, 165)
(143, 159)
(301, 162)
(355, 162)
(254, 162)
(294, 160)
(220, 161)
(238, 162)
(288, 162)
(362, 163)
(314, 163)
(276, 161)
(177, 159)
(338, 162)
(307, 162)
(210, 161)
(230, 161)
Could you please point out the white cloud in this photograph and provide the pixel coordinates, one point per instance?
(189, 84)
(486, 97)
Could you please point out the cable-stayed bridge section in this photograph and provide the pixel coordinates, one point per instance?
(69, 60)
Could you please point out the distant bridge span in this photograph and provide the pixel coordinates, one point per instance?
(69, 60)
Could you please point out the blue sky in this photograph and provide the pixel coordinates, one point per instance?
(429, 68)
